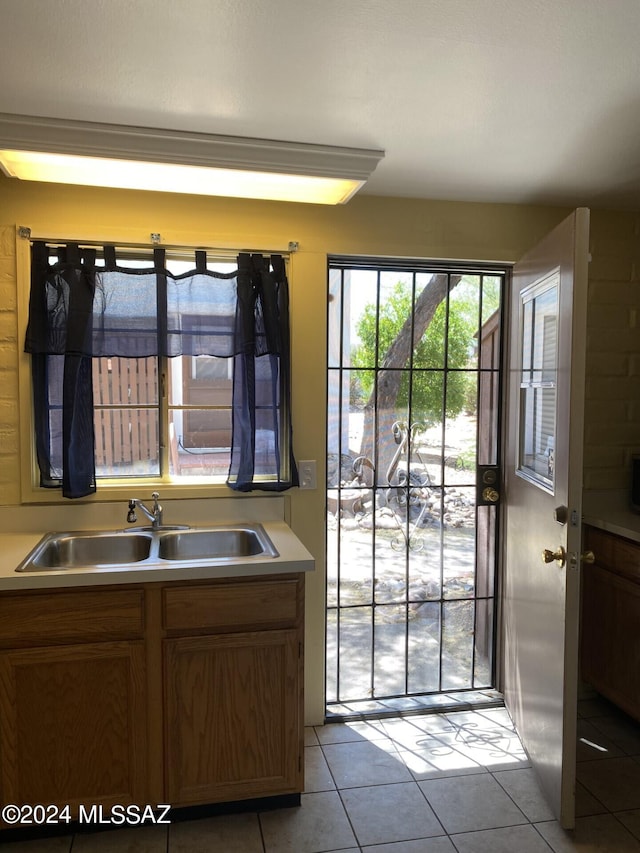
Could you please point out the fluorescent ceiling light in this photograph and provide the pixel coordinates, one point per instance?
(174, 177)
(105, 155)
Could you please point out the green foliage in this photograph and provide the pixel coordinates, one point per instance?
(429, 355)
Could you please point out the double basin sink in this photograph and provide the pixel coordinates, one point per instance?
(99, 550)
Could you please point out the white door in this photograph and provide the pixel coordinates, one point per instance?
(543, 483)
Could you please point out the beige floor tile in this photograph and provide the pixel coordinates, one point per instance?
(346, 732)
(523, 788)
(512, 839)
(387, 813)
(408, 730)
(593, 744)
(310, 736)
(59, 844)
(408, 736)
(621, 730)
(469, 803)
(495, 747)
(596, 834)
(631, 820)
(615, 782)
(480, 724)
(433, 723)
(131, 839)
(472, 720)
(317, 776)
(360, 764)
(438, 760)
(498, 715)
(586, 803)
(474, 727)
(320, 823)
(223, 834)
(424, 845)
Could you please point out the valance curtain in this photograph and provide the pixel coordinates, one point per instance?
(79, 311)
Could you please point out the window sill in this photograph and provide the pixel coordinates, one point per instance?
(110, 491)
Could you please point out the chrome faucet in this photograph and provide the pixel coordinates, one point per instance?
(154, 515)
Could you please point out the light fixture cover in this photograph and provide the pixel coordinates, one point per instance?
(93, 154)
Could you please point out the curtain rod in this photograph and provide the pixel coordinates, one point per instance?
(156, 241)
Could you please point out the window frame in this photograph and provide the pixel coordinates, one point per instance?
(545, 380)
(109, 488)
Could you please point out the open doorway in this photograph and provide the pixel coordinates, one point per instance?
(413, 477)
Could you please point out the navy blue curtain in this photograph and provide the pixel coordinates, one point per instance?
(261, 378)
(79, 311)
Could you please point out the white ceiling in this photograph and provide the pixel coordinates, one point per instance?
(528, 101)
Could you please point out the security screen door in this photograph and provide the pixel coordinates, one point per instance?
(413, 482)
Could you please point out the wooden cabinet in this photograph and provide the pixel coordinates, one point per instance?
(73, 725)
(233, 723)
(73, 716)
(610, 644)
(232, 717)
(184, 693)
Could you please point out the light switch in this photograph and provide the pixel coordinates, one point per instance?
(307, 473)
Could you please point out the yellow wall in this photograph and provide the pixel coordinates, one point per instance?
(365, 226)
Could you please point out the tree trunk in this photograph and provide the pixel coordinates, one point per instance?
(382, 448)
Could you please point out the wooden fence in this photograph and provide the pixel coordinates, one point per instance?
(125, 433)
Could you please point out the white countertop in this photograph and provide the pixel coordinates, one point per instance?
(611, 511)
(14, 547)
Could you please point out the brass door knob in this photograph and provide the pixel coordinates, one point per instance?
(588, 557)
(490, 494)
(560, 556)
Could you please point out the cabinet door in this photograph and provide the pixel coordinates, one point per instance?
(233, 717)
(73, 724)
(610, 638)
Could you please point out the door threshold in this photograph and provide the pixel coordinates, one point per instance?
(402, 706)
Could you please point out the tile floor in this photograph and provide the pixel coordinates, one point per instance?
(448, 783)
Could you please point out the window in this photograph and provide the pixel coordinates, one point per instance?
(148, 367)
(539, 311)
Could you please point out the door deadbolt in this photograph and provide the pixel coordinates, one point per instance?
(491, 495)
(559, 555)
(487, 485)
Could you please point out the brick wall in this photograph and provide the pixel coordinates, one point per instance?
(612, 410)
(9, 410)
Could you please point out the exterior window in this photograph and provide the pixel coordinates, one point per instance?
(130, 409)
(539, 312)
(156, 367)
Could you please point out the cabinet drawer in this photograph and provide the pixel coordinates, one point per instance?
(60, 617)
(615, 553)
(232, 606)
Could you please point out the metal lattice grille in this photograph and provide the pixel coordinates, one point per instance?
(413, 389)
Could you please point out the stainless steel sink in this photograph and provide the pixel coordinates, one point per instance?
(150, 548)
(87, 550)
(215, 543)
